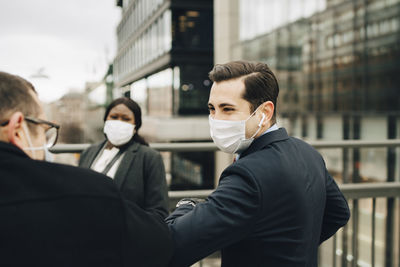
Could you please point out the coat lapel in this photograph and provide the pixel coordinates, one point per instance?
(125, 165)
(92, 154)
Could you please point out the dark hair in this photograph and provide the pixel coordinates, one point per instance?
(259, 81)
(137, 113)
(15, 96)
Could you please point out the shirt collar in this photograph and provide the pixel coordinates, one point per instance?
(270, 129)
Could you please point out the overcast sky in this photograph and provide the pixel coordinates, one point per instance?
(70, 41)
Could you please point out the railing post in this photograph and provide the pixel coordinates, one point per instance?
(345, 177)
(344, 246)
(389, 233)
(345, 171)
(373, 232)
(334, 251)
(391, 162)
(355, 233)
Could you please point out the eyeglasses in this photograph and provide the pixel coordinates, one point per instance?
(51, 130)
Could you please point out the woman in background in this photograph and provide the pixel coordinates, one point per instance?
(138, 170)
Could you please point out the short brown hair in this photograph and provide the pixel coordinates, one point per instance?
(259, 81)
(15, 96)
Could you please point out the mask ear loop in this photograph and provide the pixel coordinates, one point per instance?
(259, 126)
(44, 147)
(29, 140)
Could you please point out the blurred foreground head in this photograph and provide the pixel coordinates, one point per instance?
(20, 111)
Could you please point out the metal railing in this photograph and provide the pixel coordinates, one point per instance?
(350, 191)
(345, 252)
(210, 146)
(344, 248)
(345, 245)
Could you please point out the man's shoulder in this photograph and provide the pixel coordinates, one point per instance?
(65, 169)
(71, 174)
(40, 179)
(272, 157)
(288, 145)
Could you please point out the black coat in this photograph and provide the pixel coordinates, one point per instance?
(272, 207)
(140, 176)
(58, 215)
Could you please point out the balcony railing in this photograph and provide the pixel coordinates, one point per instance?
(372, 236)
(210, 146)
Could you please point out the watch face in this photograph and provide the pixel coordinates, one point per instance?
(185, 202)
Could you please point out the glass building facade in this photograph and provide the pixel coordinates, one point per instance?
(338, 72)
(166, 38)
(338, 66)
(165, 51)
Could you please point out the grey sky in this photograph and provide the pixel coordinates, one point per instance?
(73, 40)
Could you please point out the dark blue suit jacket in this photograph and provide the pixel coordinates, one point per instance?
(272, 207)
(59, 215)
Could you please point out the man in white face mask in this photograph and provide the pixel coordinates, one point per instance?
(59, 215)
(234, 121)
(277, 202)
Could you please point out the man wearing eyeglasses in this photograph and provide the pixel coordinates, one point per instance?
(59, 215)
(51, 133)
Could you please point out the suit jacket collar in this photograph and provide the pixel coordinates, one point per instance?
(12, 149)
(95, 149)
(265, 140)
(126, 162)
(92, 153)
(133, 147)
(124, 166)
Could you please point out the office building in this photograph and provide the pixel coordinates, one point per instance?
(165, 51)
(337, 65)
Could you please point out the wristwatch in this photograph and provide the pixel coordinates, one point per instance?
(186, 201)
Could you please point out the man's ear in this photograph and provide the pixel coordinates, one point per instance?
(268, 109)
(15, 131)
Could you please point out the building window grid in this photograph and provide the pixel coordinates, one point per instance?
(121, 66)
(135, 18)
(132, 59)
(374, 29)
(343, 37)
(127, 60)
(136, 46)
(140, 57)
(157, 40)
(160, 34)
(143, 55)
(131, 23)
(154, 41)
(148, 46)
(141, 11)
(144, 10)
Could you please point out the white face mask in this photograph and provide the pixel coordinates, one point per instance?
(118, 132)
(230, 136)
(47, 155)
